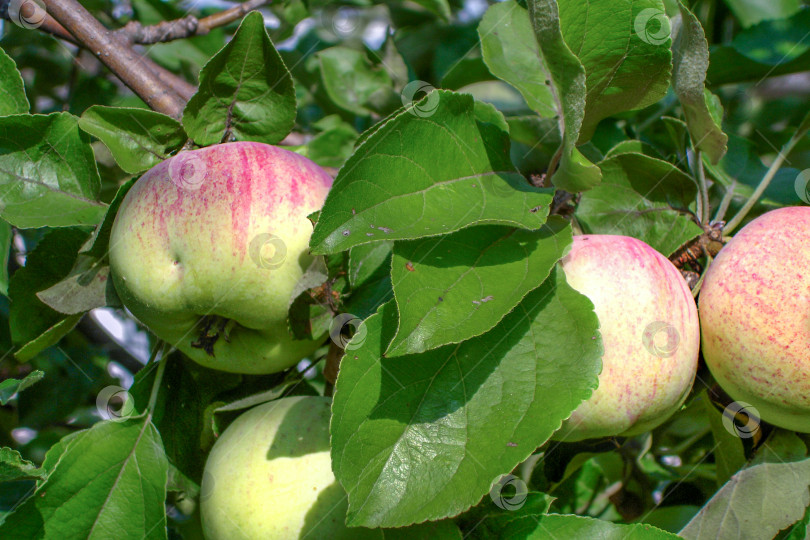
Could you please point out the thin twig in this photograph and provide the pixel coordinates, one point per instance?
(134, 32)
(703, 195)
(164, 359)
(725, 202)
(117, 55)
(766, 180)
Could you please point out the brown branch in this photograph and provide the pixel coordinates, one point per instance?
(135, 33)
(180, 85)
(117, 55)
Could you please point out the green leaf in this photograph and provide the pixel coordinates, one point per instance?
(350, 80)
(511, 53)
(451, 288)
(397, 186)
(751, 12)
(86, 287)
(624, 48)
(493, 515)
(51, 261)
(801, 529)
(138, 139)
(728, 451)
(365, 261)
(9, 387)
(568, 88)
(643, 197)
(333, 146)
(757, 502)
(48, 338)
(14, 467)
(245, 93)
(48, 174)
(12, 89)
(782, 445)
(109, 483)
(569, 526)
(425, 436)
(691, 61)
(6, 236)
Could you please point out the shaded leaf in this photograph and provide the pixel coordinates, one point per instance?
(425, 436)
(754, 54)
(14, 467)
(6, 236)
(396, 186)
(48, 338)
(9, 387)
(365, 261)
(569, 526)
(50, 261)
(458, 286)
(728, 451)
(48, 174)
(186, 390)
(245, 91)
(642, 197)
(441, 8)
(97, 246)
(138, 139)
(350, 80)
(751, 12)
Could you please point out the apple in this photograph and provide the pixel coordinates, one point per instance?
(755, 317)
(269, 476)
(650, 333)
(208, 246)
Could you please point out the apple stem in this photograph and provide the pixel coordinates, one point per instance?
(781, 157)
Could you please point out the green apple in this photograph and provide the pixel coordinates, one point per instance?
(269, 476)
(755, 317)
(207, 247)
(650, 332)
